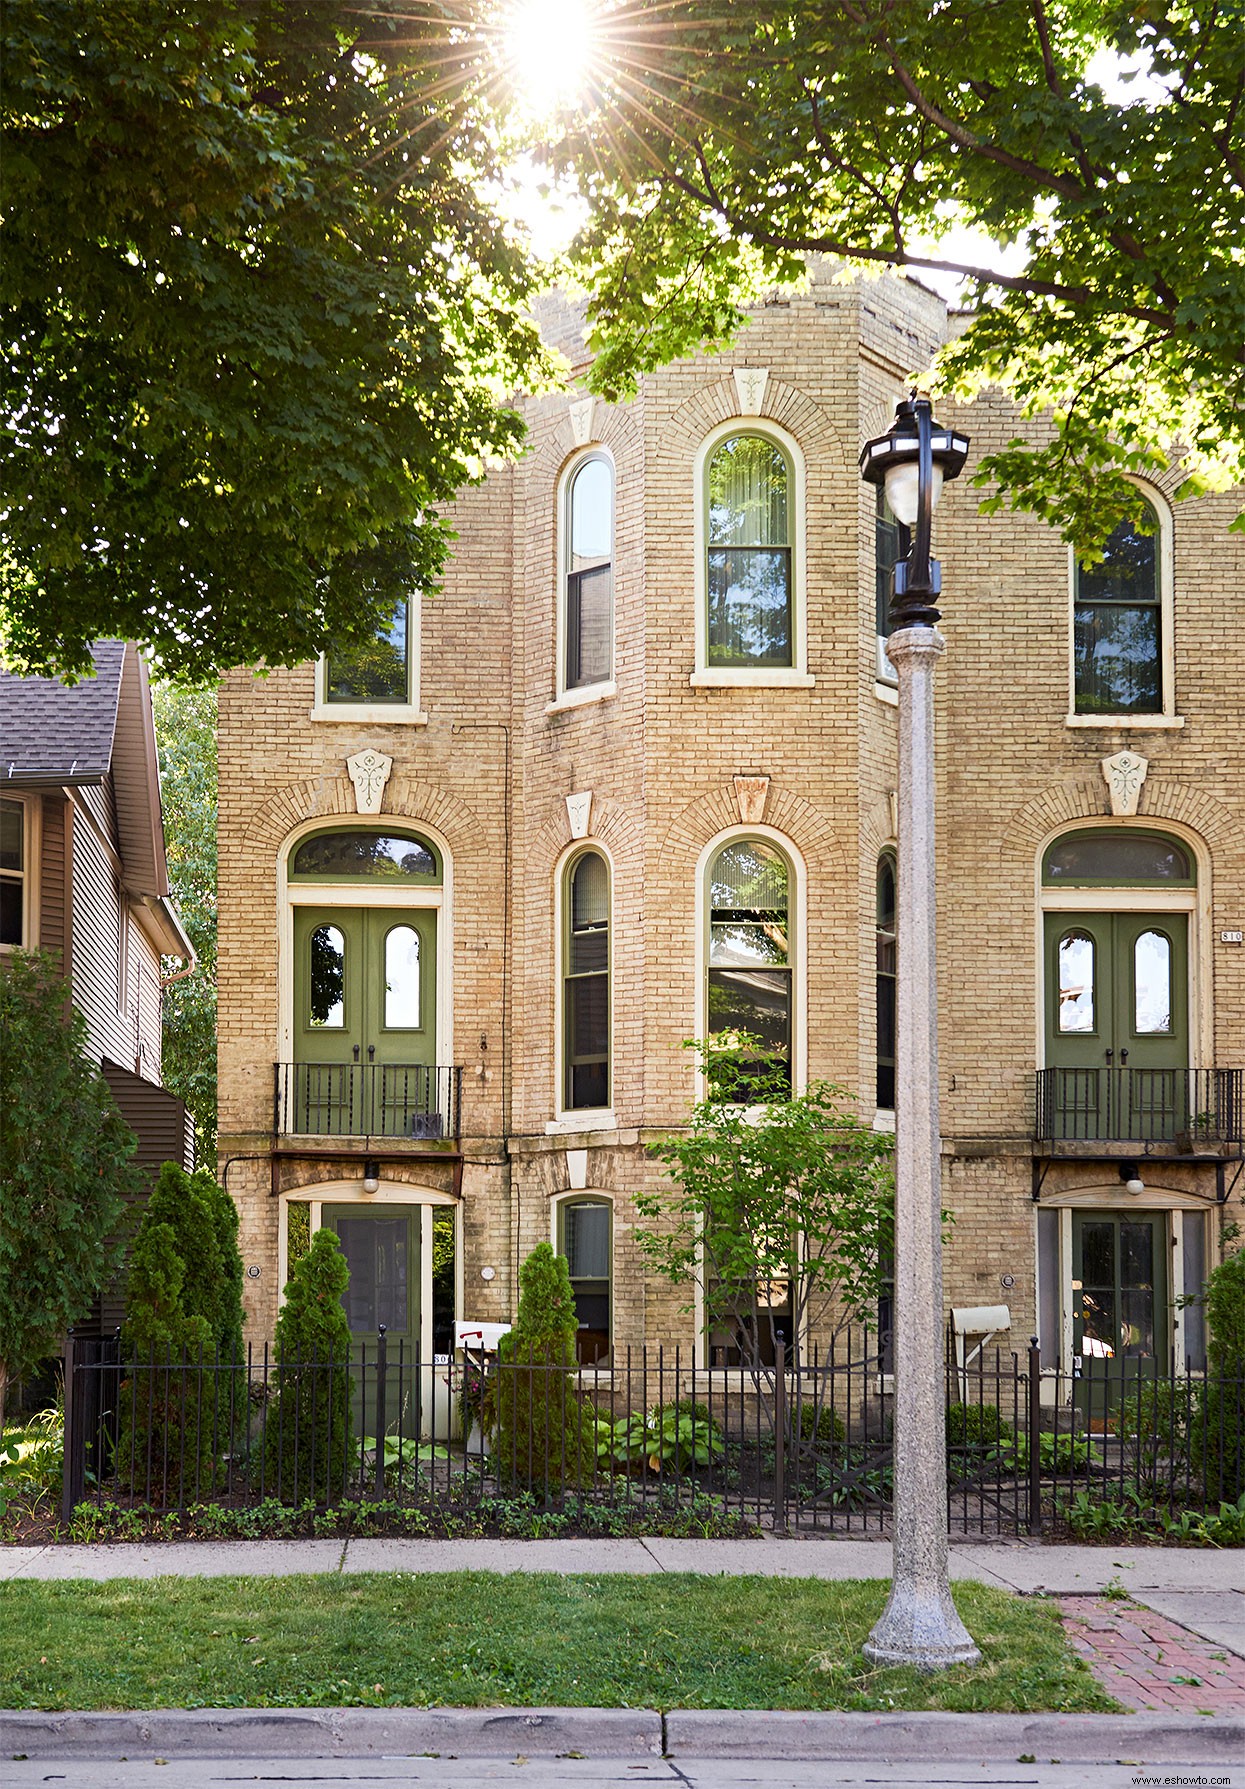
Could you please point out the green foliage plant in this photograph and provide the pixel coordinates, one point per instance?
(66, 1173)
(764, 1188)
(165, 1438)
(978, 1428)
(1221, 1441)
(309, 1422)
(204, 1223)
(546, 1436)
(673, 1437)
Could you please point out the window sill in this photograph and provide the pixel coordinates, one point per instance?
(1138, 722)
(884, 1120)
(886, 692)
(400, 714)
(569, 1122)
(741, 678)
(594, 692)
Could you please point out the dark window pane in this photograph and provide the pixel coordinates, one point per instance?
(750, 606)
(1098, 1254)
(10, 911)
(887, 964)
(442, 1281)
(887, 555)
(381, 857)
(590, 952)
(376, 1251)
(12, 835)
(1128, 569)
(375, 671)
(589, 1086)
(586, 1240)
(1116, 857)
(588, 1007)
(589, 626)
(754, 1000)
(1118, 660)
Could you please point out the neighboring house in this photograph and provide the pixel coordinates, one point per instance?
(83, 875)
(628, 779)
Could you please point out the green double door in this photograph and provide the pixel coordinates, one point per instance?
(365, 1021)
(1117, 1000)
(1120, 1316)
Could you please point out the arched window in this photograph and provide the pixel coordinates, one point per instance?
(887, 967)
(371, 854)
(586, 984)
(749, 955)
(585, 1237)
(748, 538)
(886, 556)
(587, 560)
(1118, 622)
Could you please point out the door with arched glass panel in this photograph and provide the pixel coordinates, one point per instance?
(364, 1021)
(1117, 1033)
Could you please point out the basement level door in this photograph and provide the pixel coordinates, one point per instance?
(1119, 1300)
(381, 1244)
(365, 985)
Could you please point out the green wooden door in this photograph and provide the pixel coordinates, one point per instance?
(381, 1244)
(365, 1000)
(1120, 1316)
(1117, 1000)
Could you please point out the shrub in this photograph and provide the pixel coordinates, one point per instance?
(204, 1222)
(822, 1426)
(978, 1427)
(1160, 1422)
(167, 1417)
(1222, 1440)
(545, 1436)
(674, 1435)
(307, 1436)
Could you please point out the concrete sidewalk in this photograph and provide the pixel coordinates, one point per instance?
(1200, 1588)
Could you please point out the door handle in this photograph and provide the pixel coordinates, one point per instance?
(1123, 1055)
(1110, 1055)
(356, 1052)
(371, 1052)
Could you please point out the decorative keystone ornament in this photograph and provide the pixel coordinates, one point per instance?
(369, 772)
(750, 793)
(1124, 774)
(579, 813)
(750, 383)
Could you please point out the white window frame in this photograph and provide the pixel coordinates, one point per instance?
(797, 932)
(796, 675)
(1168, 715)
(578, 1118)
(32, 814)
(408, 713)
(607, 687)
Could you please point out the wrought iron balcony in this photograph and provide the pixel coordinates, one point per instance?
(367, 1099)
(1194, 1111)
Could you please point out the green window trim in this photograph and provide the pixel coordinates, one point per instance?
(587, 905)
(1061, 870)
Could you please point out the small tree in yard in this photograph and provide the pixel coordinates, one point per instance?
(1224, 1403)
(65, 1168)
(165, 1436)
(544, 1432)
(308, 1431)
(766, 1190)
(204, 1222)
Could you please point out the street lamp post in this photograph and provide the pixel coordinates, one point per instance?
(919, 1625)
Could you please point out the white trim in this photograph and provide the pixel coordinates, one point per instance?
(743, 677)
(1167, 627)
(588, 692)
(408, 713)
(886, 692)
(578, 1118)
(797, 934)
(345, 894)
(581, 698)
(31, 871)
(1196, 902)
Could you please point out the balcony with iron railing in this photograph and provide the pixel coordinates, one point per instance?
(1174, 1111)
(367, 1099)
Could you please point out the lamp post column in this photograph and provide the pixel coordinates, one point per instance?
(919, 1625)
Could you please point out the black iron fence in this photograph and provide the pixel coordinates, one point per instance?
(1196, 1110)
(366, 1099)
(802, 1449)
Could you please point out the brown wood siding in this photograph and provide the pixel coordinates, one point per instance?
(52, 875)
(96, 940)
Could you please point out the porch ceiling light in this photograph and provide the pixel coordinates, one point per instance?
(371, 1176)
(1133, 1183)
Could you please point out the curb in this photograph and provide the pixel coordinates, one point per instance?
(305, 1733)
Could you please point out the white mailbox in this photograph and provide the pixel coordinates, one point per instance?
(480, 1337)
(980, 1322)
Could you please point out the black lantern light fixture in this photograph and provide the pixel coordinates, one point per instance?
(912, 461)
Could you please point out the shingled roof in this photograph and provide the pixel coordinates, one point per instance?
(51, 732)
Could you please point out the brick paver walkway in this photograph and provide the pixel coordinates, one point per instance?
(1147, 1662)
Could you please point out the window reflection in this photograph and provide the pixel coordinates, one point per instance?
(749, 554)
(1116, 625)
(1152, 984)
(376, 670)
(749, 959)
(1076, 982)
(402, 979)
(328, 979)
(590, 577)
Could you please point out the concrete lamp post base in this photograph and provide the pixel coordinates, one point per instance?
(919, 1626)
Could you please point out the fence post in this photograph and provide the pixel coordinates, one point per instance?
(1033, 1425)
(381, 1353)
(780, 1437)
(73, 1474)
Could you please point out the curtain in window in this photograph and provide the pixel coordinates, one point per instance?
(749, 958)
(1116, 632)
(749, 554)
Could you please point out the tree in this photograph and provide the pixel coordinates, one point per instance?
(257, 314)
(723, 146)
(768, 1190)
(186, 738)
(166, 1427)
(544, 1433)
(203, 1222)
(65, 1168)
(308, 1428)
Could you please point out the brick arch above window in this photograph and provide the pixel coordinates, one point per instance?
(717, 402)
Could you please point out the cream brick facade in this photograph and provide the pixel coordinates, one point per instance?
(488, 772)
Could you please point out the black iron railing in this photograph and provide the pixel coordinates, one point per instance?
(1195, 1110)
(367, 1099)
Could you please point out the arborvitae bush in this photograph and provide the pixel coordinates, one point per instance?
(308, 1430)
(165, 1435)
(1224, 1432)
(544, 1432)
(204, 1221)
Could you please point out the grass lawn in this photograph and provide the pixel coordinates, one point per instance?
(480, 1639)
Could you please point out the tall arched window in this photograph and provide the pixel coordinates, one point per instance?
(887, 967)
(748, 540)
(587, 559)
(886, 556)
(586, 984)
(1117, 628)
(585, 1237)
(749, 955)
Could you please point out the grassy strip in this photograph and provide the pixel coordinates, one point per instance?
(480, 1639)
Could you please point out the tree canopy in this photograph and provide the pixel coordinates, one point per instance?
(724, 145)
(259, 319)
